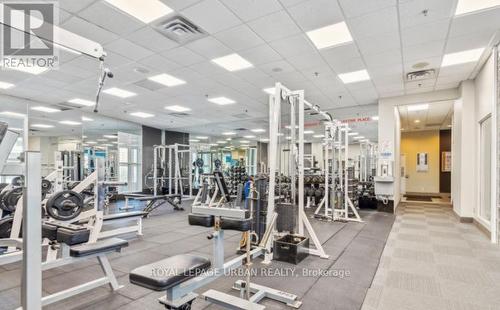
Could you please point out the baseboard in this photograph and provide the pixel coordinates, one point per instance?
(482, 229)
(463, 219)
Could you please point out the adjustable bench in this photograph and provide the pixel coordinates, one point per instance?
(116, 218)
(154, 202)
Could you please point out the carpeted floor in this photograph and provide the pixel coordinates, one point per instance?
(354, 249)
(431, 261)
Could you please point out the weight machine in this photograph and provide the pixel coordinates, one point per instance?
(339, 207)
(278, 102)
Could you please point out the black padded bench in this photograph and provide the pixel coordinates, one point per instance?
(226, 222)
(169, 272)
(103, 246)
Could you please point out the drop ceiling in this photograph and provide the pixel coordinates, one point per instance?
(437, 116)
(389, 37)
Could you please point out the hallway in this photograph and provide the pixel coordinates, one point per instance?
(431, 261)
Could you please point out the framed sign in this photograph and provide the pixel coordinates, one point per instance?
(445, 161)
(422, 162)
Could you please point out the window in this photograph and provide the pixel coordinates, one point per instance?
(485, 170)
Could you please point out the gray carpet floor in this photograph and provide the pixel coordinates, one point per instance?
(354, 248)
(431, 261)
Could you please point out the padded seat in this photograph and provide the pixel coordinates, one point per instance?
(164, 274)
(201, 220)
(102, 246)
(236, 224)
(124, 215)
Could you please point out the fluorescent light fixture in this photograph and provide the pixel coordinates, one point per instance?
(358, 138)
(289, 138)
(280, 134)
(41, 126)
(201, 137)
(244, 141)
(45, 109)
(228, 133)
(221, 100)
(213, 144)
(5, 85)
(269, 90)
(142, 114)
(353, 134)
(64, 48)
(91, 142)
(31, 70)
(221, 142)
(194, 140)
(318, 136)
(375, 118)
(355, 76)
(418, 107)
(232, 62)
(264, 140)
(71, 123)
(468, 6)
(331, 35)
(118, 92)
(177, 108)
(12, 114)
(144, 10)
(288, 126)
(364, 140)
(249, 137)
(229, 139)
(308, 132)
(166, 80)
(87, 119)
(417, 121)
(15, 129)
(110, 136)
(83, 102)
(84, 137)
(462, 57)
(102, 140)
(257, 130)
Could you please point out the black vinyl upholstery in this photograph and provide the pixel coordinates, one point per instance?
(236, 224)
(201, 220)
(161, 275)
(102, 246)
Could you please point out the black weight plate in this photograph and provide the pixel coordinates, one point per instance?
(6, 226)
(46, 186)
(9, 199)
(17, 181)
(65, 205)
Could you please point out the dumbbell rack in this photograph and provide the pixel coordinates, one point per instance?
(237, 175)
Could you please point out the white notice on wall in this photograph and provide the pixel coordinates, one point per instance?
(422, 162)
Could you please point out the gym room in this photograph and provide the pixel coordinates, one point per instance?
(249, 154)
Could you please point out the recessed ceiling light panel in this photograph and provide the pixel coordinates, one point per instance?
(118, 92)
(462, 57)
(177, 108)
(83, 102)
(468, 6)
(232, 62)
(166, 79)
(142, 114)
(45, 109)
(5, 85)
(418, 107)
(329, 36)
(144, 10)
(354, 77)
(221, 100)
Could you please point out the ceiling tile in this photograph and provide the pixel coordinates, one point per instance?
(251, 9)
(376, 23)
(467, 42)
(260, 54)
(314, 14)
(209, 47)
(159, 63)
(292, 46)
(341, 53)
(486, 21)
(433, 63)
(274, 26)
(307, 60)
(353, 8)
(383, 59)
(179, 4)
(128, 49)
(182, 56)
(435, 31)
(239, 38)
(277, 67)
(211, 16)
(419, 52)
(110, 18)
(347, 65)
(151, 39)
(379, 43)
(89, 30)
(73, 6)
(412, 12)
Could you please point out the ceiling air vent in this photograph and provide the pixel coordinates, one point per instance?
(420, 75)
(240, 129)
(179, 29)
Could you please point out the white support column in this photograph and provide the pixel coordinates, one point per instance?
(302, 215)
(31, 282)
